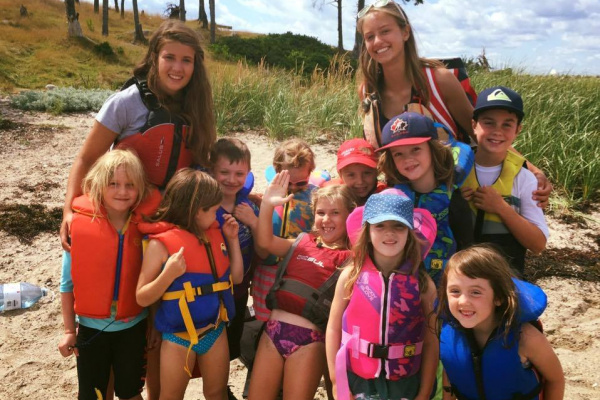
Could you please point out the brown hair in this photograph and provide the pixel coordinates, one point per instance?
(363, 248)
(196, 104)
(442, 161)
(371, 71)
(231, 148)
(99, 176)
(293, 153)
(186, 193)
(485, 262)
(335, 193)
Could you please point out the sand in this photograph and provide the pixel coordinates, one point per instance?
(36, 155)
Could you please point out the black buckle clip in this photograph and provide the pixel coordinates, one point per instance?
(378, 350)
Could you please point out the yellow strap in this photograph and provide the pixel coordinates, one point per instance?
(190, 293)
(216, 287)
(187, 356)
(187, 320)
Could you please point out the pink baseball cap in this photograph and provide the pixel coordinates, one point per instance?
(356, 151)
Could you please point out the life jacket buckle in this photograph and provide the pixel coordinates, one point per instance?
(378, 350)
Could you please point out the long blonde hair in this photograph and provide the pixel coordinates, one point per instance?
(99, 176)
(196, 105)
(371, 70)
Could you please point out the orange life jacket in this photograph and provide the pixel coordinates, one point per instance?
(99, 253)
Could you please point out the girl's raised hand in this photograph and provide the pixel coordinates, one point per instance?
(175, 265)
(276, 193)
(230, 227)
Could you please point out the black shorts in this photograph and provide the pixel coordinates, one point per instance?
(123, 351)
(236, 327)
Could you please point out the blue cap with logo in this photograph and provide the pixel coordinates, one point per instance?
(389, 205)
(406, 129)
(499, 97)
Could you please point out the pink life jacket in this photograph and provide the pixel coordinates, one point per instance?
(383, 326)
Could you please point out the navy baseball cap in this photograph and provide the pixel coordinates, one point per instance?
(499, 97)
(388, 206)
(406, 129)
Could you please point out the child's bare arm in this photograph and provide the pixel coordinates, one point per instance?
(245, 214)
(534, 346)
(333, 334)
(274, 196)
(153, 282)
(528, 234)
(66, 347)
(431, 346)
(236, 264)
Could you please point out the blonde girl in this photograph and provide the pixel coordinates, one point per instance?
(291, 350)
(490, 344)
(380, 342)
(190, 267)
(104, 325)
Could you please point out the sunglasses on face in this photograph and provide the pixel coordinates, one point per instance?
(380, 4)
(299, 183)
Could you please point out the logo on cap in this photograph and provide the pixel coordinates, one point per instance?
(498, 94)
(399, 126)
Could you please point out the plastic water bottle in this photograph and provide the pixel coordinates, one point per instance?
(20, 295)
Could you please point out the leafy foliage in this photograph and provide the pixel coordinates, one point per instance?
(288, 50)
(61, 100)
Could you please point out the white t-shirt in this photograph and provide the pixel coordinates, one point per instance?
(523, 186)
(124, 112)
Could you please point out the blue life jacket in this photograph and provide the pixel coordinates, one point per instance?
(494, 372)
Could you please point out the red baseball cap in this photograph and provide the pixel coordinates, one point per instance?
(356, 151)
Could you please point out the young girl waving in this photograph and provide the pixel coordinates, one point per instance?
(188, 266)
(416, 162)
(292, 349)
(100, 274)
(488, 348)
(380, 312)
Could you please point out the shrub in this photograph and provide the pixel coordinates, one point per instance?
(61, 100)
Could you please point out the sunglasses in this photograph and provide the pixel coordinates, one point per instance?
(299, 183)
(380, 4)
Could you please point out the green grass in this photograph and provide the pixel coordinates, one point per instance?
(561, 132)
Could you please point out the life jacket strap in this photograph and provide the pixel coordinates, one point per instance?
(190, 292)
(388, 352)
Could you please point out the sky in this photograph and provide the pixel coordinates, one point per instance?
(537, 36)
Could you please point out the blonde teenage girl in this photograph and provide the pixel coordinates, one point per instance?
(190, 268)
(104, 326)
(399, 80)
(380, 342)
(291, 350)
(488, 346)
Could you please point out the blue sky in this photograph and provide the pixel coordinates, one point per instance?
(537, 36)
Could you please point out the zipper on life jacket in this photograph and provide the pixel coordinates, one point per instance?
(119, 267)
(384, 313)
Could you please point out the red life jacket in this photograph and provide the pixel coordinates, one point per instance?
(306, 279)
(96, 250)
(162, 143)
(203, 295)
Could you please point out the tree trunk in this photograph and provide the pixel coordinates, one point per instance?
(202, 14)
(357, 36)
(117, 6)
(104, 17)
(340, 40)
(122, 8)
(74, 28)
(213, 23)
(96, 6)
(182, 10)
(139, 33)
